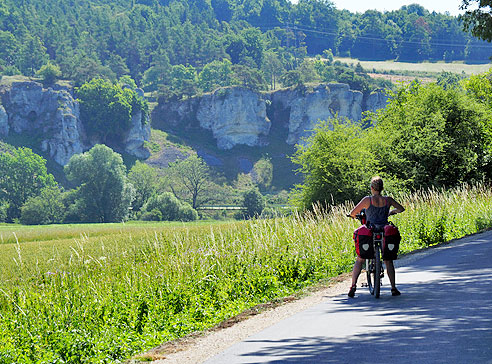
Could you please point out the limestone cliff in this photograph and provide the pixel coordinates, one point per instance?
(238, 116)
(51, 115)
(235, 116)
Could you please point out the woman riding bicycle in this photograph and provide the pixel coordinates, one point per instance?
(377, 210)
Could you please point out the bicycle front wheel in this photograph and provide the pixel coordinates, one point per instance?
(377, 271)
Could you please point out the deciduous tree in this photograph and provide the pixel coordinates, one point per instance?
(104, 193)
(190, 179)
(23, 174)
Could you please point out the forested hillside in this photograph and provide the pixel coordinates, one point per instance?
(187, 46)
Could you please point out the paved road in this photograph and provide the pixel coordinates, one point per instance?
(444, 315)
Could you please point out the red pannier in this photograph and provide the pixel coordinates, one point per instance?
(391, 242)
(363, 242)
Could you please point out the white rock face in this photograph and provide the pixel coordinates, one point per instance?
(235, 116)
(322, 103)
(49, 113)
(4, 122)
(53, 115)
(139, 132)
(239, 116)
(376, 101)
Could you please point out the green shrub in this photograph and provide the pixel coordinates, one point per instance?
(253, 202)
(4, 206)
(47, 208)
(154, 215)
(49, 73)
(170, 208)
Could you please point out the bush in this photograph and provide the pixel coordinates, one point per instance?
(154, 215)
(4, 206)
(170, 208)
(336, 165)
(49, 73)
(253, 202)
(47, 208)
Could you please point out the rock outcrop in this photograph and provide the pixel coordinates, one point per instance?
(235, 116)
(138, 133)
(4, 121)
(51, 115)
(238, 116)
(308, 106)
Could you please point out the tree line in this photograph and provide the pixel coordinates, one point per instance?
(176, 45)
(429, 136)
(105, 191)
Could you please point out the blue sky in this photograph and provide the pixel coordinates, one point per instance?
(440, 6)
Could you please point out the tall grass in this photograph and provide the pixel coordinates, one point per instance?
(104, 297)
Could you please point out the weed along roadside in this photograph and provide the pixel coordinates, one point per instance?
(99, 296)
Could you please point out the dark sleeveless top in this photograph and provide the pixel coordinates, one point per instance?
(378, 215)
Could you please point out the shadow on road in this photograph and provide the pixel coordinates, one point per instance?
(438, 321)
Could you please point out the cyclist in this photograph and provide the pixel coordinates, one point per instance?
(377, 212)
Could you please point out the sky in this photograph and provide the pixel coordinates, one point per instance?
(440, 6)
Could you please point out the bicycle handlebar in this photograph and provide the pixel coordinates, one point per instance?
(360, 216)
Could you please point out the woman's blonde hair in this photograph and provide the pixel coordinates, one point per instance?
(377, 183)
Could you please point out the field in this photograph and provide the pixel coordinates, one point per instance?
(103, 293)
(424, 67)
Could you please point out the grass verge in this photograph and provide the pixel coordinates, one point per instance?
(102, 293)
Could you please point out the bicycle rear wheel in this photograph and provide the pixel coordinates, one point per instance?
(377, 271)
(370, 270)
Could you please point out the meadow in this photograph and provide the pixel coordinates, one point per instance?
(103, 293)
(421, 67)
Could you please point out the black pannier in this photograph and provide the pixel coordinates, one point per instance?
(391, 242)
(364, 245)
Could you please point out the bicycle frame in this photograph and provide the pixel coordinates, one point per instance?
(374, 268)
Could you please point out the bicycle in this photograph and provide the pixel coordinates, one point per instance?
(374, 266)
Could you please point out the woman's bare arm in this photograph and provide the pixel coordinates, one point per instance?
(363, 204)
(397, 207)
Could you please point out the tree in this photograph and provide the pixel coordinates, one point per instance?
(85, 68)
(449, 79)
(46, 208)
(272, 68)
(336, 165)
(190, 179)
(32, 55)
(262, 172)
(145, 180)
(104, 193)
(222, 10)
(167, 207)
(248, 77)
(158, 73)
(106, 109)
(9, 47)
(215, 74)
(480, 87)
(291, 78)
(328, 55)
(247, 44)
(117, 64)
(49, 73)
(479, 20)
(23, 174)
(253, 203)
(428, 136)
(184, 80)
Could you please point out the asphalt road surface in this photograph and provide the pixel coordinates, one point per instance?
(444, 315)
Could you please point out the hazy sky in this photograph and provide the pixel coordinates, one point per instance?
(440, 6)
